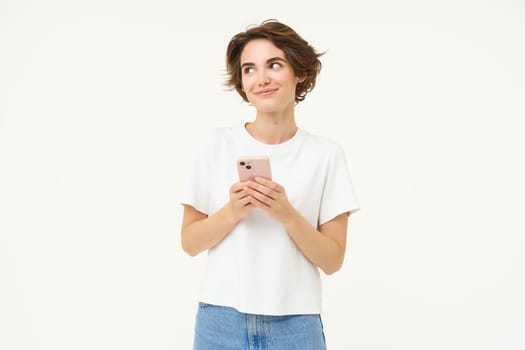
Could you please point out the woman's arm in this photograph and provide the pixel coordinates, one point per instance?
(200, 232)
(324, 247)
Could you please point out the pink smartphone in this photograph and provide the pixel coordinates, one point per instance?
(250, 167)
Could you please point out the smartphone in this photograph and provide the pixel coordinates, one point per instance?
(251, 167)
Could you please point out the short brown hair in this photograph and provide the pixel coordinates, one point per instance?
(302, 56)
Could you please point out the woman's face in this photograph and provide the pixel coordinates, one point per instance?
(268, 79)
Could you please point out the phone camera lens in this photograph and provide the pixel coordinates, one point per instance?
(248, 167)
(242, 163)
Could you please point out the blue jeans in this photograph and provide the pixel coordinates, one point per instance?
(224, 328)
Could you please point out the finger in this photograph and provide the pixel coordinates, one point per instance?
(260, 197)
(262, 189)
(236, 187)
(270, 184)
(241, 194)
(247, 201)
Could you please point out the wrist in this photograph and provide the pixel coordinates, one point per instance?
(291, 220)
(228, 215)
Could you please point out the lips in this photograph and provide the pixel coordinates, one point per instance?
(266, 92)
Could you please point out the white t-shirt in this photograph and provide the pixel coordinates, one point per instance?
(257, 268)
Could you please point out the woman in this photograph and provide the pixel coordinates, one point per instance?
(267, 239)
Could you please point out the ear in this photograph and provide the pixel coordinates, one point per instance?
(301, 79)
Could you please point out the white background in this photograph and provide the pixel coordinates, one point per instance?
(102, 102)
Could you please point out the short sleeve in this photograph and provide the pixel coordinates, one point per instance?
(338, 194)
(196, 189)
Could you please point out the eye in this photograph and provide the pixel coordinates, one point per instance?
(275, 65)
(248, 70)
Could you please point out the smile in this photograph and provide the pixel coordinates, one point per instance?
(266, 92)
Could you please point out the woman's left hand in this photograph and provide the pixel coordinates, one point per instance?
(270, 197)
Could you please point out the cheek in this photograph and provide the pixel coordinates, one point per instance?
(244, 87)
(246, 83)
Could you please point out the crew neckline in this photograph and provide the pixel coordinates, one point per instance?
(272, 148)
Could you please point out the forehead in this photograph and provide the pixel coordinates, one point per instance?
(259, 50)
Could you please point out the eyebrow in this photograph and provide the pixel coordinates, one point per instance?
(270, 60)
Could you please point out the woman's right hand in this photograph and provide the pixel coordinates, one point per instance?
(200, 232)
(240, 203)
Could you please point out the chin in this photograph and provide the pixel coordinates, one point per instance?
(269, 106)
(268, 109)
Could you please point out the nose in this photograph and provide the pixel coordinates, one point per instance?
(263, 78)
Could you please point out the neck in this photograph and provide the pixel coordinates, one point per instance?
(273, 128)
